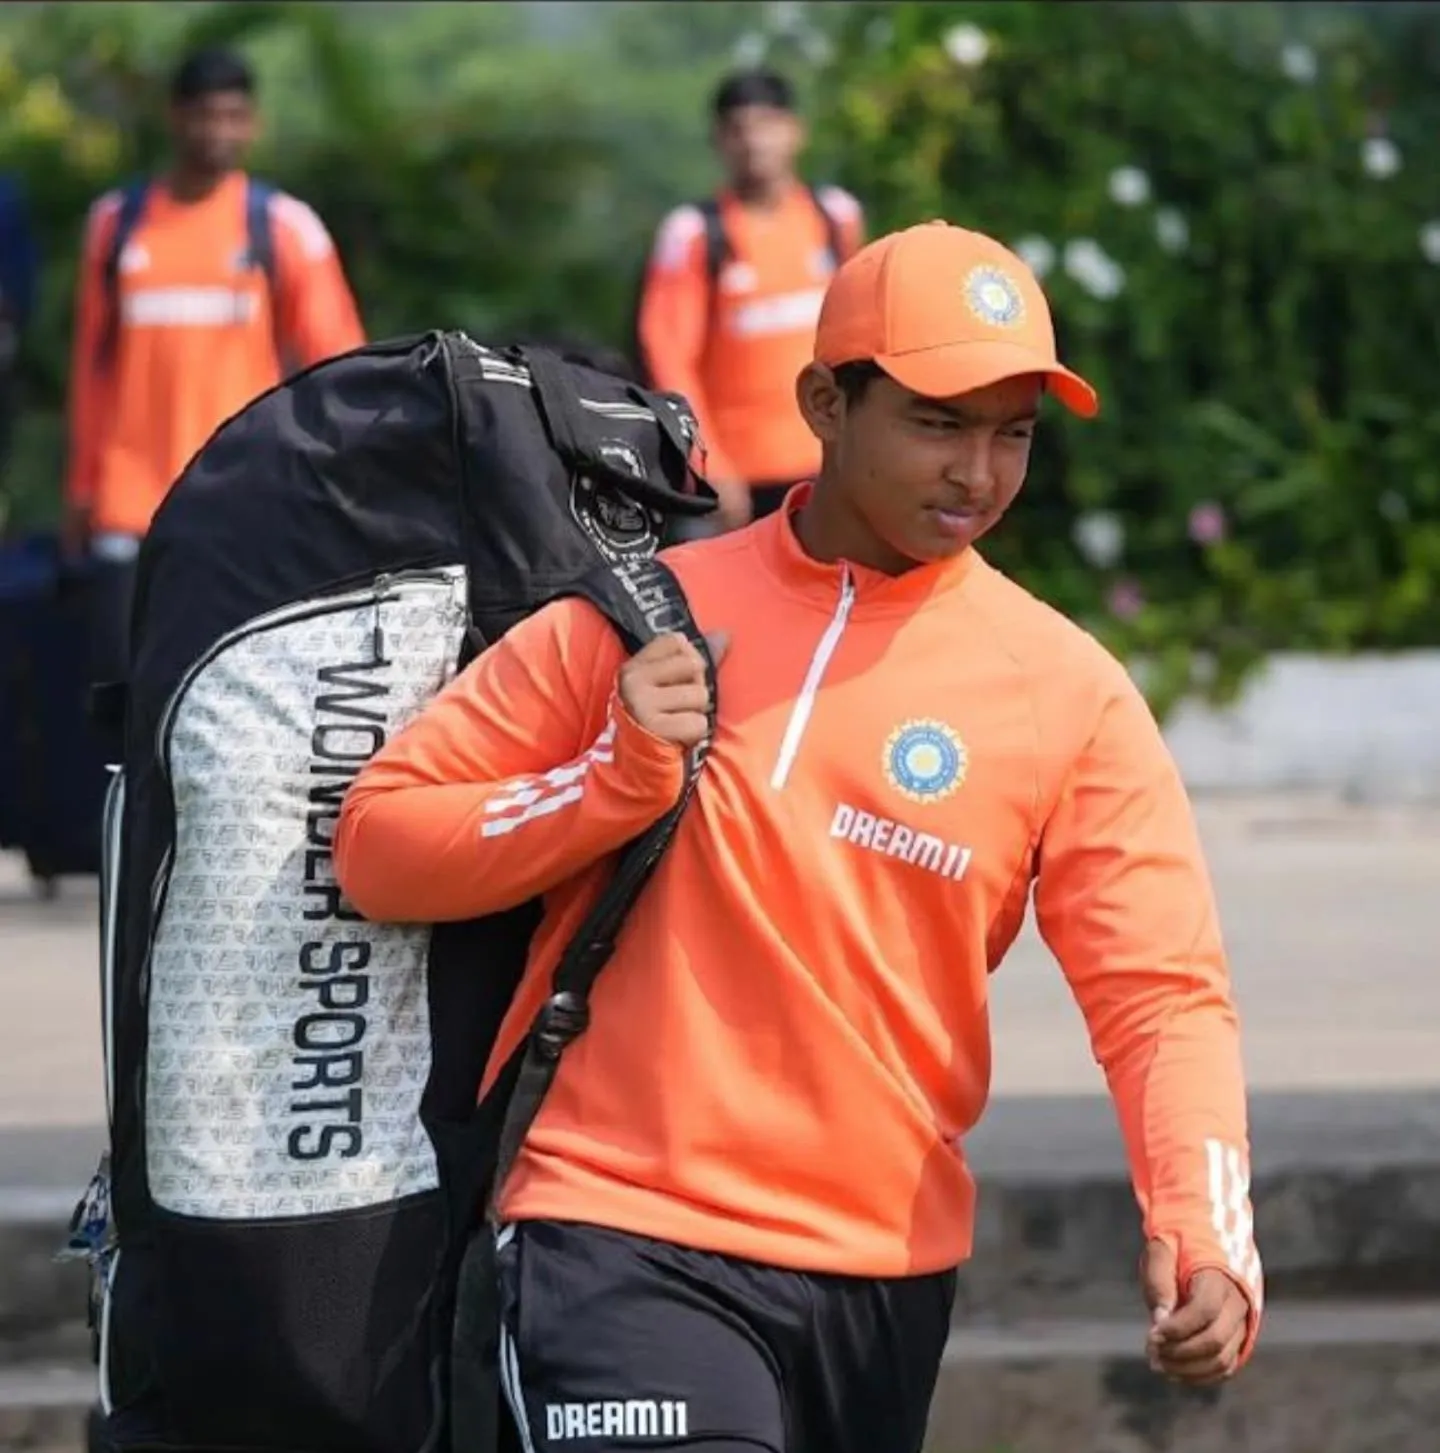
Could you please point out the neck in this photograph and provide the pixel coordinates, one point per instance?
(763, 196)
(191, 184)
(830, 530)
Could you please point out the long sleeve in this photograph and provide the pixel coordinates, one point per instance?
(318, 317)
(90, 383)
(1124, 901)
(674, 318)
(522, 772)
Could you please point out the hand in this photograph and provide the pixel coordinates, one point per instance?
(663, 687)
(1195, 1335)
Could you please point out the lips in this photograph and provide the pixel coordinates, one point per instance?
(956, 521)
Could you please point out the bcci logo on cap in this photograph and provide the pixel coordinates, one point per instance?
(925, 760)
(994, 297)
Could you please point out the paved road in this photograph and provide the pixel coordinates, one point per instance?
(1331, 915)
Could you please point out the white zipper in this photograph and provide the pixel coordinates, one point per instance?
(805, 702)
(107, 1401)
(110, 913)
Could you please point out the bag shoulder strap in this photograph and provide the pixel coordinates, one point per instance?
(834, 236)
(577, 437)
(260, 248)
(642, 599)
(132, 206)
(717, 244)
(259, 238)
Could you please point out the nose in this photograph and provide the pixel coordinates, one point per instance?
(970, 466)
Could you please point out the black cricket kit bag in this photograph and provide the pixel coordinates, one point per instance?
(297, 1162)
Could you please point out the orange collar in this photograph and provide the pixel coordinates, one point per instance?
(821, 581)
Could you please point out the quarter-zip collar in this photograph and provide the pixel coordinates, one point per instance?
(821, 582)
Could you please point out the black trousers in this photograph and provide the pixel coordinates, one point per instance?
(612, 1341)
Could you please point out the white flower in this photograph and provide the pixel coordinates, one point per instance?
(1129, 187)
(815, 46)
(1430, 242)
(749, 49)
(1099, 274)
(1380, 157)
(967, 45)
(783, 16)
(1100, 538)
(1297, 60)
(1172, 231)
(1037, 253)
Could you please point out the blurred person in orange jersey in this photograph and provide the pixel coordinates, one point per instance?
(198, 290)
(732, 291)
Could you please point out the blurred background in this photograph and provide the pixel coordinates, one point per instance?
(1235, 209)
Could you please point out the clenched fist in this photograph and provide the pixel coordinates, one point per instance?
(1196, 1335)
(663, 688)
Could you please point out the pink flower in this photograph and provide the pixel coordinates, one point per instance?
(1125, 600)
(1207, 524)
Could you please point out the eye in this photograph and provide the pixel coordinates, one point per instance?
(1021, 433)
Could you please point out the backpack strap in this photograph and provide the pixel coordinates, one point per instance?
(132, 207)
(576, 435)
(259, 239)
(834, 237)
(642, 599)
(260, 249)
(717, 244)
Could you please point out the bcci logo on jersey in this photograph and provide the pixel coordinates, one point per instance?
(925, 760)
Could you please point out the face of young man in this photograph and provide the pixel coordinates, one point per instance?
(758, 146)
(214, 132)
(913, 479)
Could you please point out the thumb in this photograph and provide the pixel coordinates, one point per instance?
(1158, 1279)
(719, 643)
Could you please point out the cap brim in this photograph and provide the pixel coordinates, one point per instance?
(961, 368)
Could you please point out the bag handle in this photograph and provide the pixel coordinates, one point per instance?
(578, 441)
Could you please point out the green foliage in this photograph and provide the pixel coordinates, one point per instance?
(1265, 367)
(1263, 360)
(489, 166)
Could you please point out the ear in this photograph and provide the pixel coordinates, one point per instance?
(822, 404)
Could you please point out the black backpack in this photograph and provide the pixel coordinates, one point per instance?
(297, 1162)
(717, 254)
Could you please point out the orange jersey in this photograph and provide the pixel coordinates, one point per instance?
(195, 341)
(792, 1039)
(735, 348)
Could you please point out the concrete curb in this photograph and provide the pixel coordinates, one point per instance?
(1339, 1379)
(1347, 1204)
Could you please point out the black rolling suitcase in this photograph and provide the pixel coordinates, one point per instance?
(53, 772)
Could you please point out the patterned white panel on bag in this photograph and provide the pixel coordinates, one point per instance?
(289, 1040)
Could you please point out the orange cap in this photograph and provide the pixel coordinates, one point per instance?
(944, 311)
